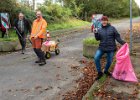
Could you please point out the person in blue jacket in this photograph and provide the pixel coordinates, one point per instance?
(107, 35)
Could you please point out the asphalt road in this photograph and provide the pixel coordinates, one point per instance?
(21, 79)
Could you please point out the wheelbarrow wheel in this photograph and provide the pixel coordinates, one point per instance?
(57, 51)
(47, 55)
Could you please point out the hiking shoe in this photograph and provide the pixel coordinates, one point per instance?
(42, 63)
(38, 61)
(22, 52)
(108, 73)
(100, 74)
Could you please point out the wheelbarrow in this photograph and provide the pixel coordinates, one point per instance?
(50, 46)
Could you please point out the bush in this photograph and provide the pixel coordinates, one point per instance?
(54, 12)
(90, 46)
(90, 41)
(29, 14)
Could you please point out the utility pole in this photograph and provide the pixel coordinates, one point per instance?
(131, 26)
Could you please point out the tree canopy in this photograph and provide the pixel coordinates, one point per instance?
(63, 9)
(111, 8)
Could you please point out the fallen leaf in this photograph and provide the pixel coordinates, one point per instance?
(38, 87)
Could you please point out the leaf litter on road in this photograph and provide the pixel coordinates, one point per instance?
(85, 82)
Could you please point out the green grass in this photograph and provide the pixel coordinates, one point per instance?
(90, 41)
(70, 23)
(12, 36)
(8, 39)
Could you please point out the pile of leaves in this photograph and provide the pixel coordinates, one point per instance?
(136, 33)
(88, 79)
(135, 38)
(84, 83)
(106, 94)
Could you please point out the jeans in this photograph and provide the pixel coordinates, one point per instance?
(98, 56)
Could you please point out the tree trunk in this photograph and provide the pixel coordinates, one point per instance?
(34, 5)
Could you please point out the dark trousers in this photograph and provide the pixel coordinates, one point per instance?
(22, 40)
(37, 44)
(3, 33)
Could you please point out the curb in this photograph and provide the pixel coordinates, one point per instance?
(95, 87)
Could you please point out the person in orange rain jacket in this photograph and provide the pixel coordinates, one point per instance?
(37, 35)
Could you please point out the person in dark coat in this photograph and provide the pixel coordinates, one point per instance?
(22, 26)
(107, 35)
(3, 30)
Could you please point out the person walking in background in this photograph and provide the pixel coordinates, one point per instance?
(107, 35)
(3, 30)
(22, 27)
(37, 35)
(4, 24)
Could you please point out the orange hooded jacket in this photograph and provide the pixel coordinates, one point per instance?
(39, 28)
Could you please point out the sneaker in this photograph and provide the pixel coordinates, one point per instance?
(42, 63)
(108, 73)
(100, 74)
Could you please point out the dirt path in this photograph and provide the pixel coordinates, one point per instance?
(21, 79)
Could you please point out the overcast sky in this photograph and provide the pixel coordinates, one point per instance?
(138, 2)
(40, 1)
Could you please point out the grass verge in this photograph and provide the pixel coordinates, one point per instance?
(90, 41)
(12, 36)
(70, 23)
(97, 85)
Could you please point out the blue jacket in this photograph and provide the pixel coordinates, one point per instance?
(107, 36)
